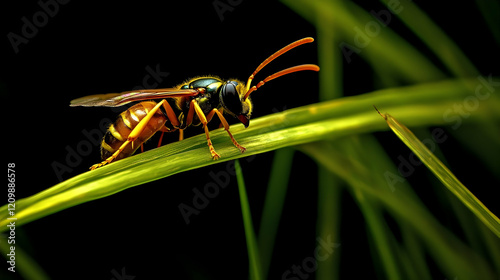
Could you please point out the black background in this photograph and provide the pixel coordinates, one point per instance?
(90, 47)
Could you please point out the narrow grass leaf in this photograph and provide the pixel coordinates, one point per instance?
(253, 251)
(448, 252)
(388, 47)
(329, 184)
(24, 264)
(420, 105)
(444, 174)
(273, 205)
(430, 33)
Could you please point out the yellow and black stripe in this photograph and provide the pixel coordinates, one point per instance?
(119, 131)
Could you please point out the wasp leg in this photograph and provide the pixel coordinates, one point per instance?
(173, 119)
(134, 134)
(194, 107)
(161, 139)
(113, 156)
(163, 130)
(226, 127)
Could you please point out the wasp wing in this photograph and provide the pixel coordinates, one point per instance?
(119, 99)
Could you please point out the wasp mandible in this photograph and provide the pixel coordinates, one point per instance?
(193, 102)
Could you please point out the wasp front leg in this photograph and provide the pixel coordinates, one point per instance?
(226, 127)
(195, 108)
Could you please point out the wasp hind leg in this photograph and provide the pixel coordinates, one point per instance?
(137, 131)
(112, 157)
(163, 130)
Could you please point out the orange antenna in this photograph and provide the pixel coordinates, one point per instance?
(282, 72)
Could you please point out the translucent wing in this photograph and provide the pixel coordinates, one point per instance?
(119, 99)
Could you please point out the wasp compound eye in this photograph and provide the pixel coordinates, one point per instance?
(229, 90)
(230, 97)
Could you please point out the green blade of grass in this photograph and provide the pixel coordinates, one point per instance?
(380, 236)
(273, 205)
(444, 174)
(490, 9)
(446, 249)
(416, 265)
(419, 106)
(459, 65)
(24, 264)
(253, 251)
(379, 233)
(430, 33)
(329, 184)
(488, 151)
(398, 55)
(328, 220)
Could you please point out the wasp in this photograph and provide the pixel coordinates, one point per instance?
(192, 103)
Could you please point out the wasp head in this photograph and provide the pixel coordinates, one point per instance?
(232, 95)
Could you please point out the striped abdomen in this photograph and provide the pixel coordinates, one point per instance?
(119, 131)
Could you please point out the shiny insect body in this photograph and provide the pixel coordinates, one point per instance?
(120, 130)
(191, 103)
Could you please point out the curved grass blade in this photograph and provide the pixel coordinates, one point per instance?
(447, 251)
(419, 105)
(398, 55)
(443, 174)
(430, 33)
(253, 250)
